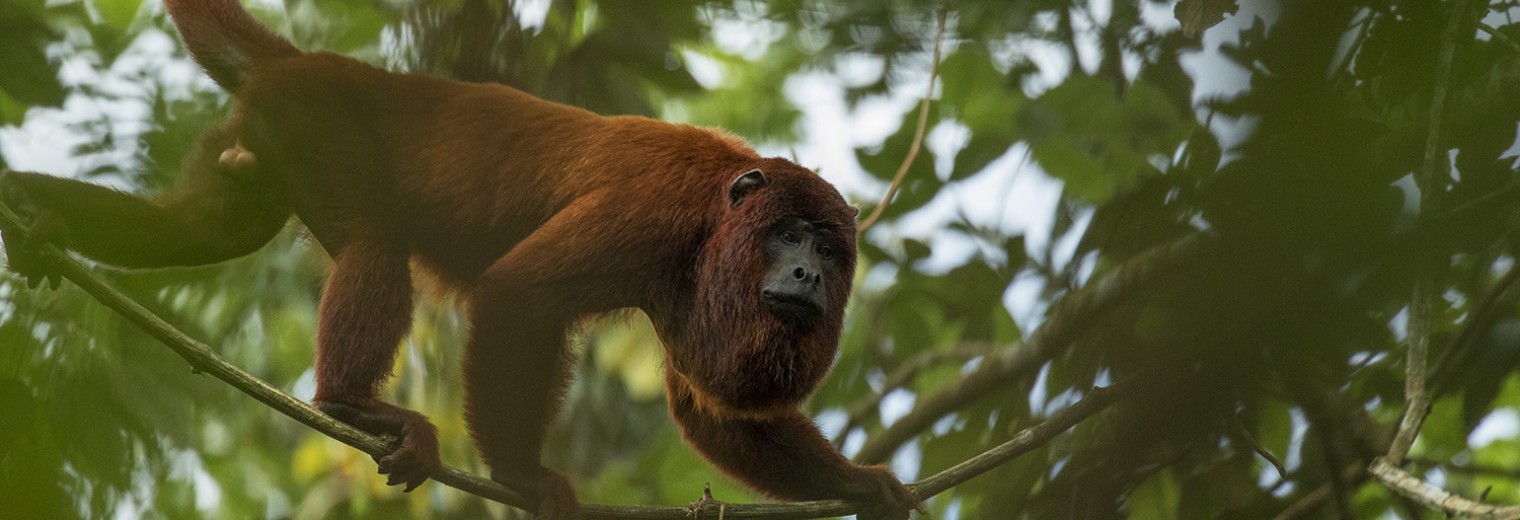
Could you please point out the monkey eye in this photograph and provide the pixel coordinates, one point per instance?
(826, 252)
(789, 237)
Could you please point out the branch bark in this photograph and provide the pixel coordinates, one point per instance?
(1432, 185)
(1433, 497)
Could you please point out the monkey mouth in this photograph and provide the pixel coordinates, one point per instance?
(793, 310)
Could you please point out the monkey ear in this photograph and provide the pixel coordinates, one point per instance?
(854, 211)
(746, 183)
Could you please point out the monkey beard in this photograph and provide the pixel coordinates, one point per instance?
(742, 360)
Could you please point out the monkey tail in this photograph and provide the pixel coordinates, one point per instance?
(225, 39)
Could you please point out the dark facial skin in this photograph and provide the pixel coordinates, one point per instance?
(801, 257)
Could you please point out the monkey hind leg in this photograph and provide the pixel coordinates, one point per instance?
(215, 214)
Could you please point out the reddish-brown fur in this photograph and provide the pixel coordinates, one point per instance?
(538, 214)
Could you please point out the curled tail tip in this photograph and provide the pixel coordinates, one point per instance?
(225, 39)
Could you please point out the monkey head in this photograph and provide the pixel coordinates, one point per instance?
(772, 282)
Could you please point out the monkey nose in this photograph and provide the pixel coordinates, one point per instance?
(802, 274)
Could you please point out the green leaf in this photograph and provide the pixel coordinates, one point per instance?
(118, 15)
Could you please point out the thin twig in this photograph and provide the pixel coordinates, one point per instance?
(1508, 472)
(1240, 429)
(918, 133)
(1499, 36)
(1456, 350)
(1416, 395)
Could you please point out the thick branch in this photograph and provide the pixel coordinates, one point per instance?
(1074, 314)
(1433, 497)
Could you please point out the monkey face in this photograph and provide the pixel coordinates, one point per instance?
(801, 259)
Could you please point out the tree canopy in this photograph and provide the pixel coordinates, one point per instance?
(1191, 259)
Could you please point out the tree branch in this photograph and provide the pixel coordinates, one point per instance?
(1499, 37)
(1245, 434)
(1073, 315)
(918, 133)
(1512, 473)
(1416, 395)
(1456, 352)
(1433, 497)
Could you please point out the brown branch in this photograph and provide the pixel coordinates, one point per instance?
(1073, 315)
(1416, 395)
(918, 133)
(1433, 497)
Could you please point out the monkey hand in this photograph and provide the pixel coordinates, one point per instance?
(414, 459)
(556, 497)
(881, 496)
(24, 247)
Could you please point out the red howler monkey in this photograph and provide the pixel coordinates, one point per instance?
(539, 214)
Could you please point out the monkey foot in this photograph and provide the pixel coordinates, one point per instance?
(884, 497)
(414, 459)
(556, 496)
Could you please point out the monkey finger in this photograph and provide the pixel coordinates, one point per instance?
(388, 465)
(415, 481)
(400, 468)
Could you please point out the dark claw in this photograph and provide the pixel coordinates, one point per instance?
(414, 459)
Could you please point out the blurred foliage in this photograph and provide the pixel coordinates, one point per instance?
(1286, 335)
